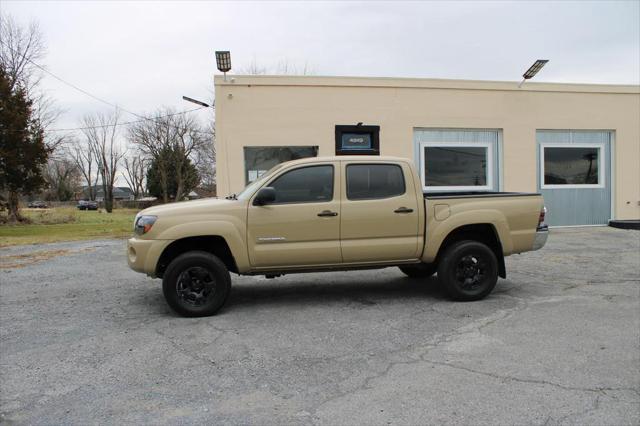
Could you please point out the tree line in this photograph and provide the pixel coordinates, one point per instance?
(166, 154)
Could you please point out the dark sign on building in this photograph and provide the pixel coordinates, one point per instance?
(359, 139)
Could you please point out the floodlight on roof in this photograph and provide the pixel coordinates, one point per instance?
(223, 61)
(195, 101)
(533, 70)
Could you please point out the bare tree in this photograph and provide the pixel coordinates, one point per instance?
(153, 138)
(62, 178)
(169, 137)
(21, 48)
(205, 161)
(101, 132)
(253, 68)
(82, 155)
(283, 67)
(135, 170)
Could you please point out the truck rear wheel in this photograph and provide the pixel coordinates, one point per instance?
(196, 284)
(421, 270)
(468, 270)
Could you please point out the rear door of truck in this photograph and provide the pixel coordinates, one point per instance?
(379, 212)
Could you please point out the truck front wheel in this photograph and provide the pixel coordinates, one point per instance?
(196, 284)
(468, 270)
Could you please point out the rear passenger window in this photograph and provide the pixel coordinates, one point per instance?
(371, 181)
(304, 185)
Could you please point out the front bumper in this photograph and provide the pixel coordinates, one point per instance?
(542, 233)
(143, 255)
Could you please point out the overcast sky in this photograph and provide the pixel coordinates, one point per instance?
(142, 55)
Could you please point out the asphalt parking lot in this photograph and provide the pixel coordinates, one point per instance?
(85, 340)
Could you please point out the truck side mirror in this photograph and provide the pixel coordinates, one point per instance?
(266, 195)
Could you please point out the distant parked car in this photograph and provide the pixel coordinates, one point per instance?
(37, 205)
(87, 205)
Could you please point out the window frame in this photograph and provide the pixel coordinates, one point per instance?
(303, 166)
(490, 171)
(601, 165)
(346, 181)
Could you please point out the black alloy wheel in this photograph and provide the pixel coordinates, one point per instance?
(468, 270)
(196, 284)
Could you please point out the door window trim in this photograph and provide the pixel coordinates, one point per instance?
(601, 165)
(302, 166)
(489, 170)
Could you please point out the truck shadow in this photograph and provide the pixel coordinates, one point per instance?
(304, 291)
(359, 292)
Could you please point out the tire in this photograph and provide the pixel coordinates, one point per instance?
(421, 270)
(468, 270)
(196, 284)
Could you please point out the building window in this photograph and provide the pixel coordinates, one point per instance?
(572, 166)
(456, 166)
(374, 181)
(259, 159)
(357, 140)
(304, 185)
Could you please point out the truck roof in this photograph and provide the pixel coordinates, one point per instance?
(369, 158)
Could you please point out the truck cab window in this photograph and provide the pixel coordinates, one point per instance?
(304, 185)
(372, 181)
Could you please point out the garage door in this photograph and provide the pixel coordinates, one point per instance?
(457, 159)
(574, 176)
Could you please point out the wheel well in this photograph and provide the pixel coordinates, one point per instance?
(481, 232)
(210, 243)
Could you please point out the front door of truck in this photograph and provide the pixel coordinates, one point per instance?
(379, 219)
(302, 226)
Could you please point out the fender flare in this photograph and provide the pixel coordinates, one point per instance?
(440, 230)
(214, 228)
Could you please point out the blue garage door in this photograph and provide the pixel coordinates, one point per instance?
(574, 176)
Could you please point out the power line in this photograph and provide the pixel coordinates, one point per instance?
(76, 87)
(142, 118)
(125, 123)
(116, 124)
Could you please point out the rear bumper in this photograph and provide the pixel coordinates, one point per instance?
(542, 233)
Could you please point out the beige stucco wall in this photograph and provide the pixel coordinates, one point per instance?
(277, 111)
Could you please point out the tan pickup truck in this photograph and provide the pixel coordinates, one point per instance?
(334, 213)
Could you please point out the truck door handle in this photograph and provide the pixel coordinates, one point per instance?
(403, 210)
(326, 213)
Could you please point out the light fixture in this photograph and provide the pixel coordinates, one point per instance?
(223, 61)
(533, 70)
(195, 101)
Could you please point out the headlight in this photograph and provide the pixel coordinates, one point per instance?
(143, 224)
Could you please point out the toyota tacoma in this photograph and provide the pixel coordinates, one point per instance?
(329, 214)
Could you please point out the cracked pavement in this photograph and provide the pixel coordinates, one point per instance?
(84, 340)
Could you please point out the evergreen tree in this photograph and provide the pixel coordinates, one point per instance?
(189, 172)
(23, 152)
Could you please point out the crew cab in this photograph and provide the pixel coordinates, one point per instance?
(328, 214)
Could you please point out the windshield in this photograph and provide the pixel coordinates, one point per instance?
(253, 186)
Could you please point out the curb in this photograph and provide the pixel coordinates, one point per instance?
(625, 224)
